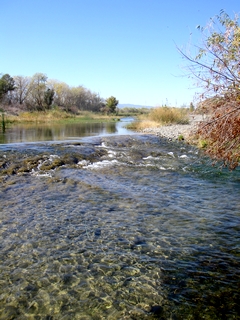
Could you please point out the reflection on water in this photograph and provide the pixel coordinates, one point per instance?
(115, 227)
(67, 131)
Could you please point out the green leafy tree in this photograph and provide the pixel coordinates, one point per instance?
(48, 97)
(216, 66)
(7, 85)
(111, 104)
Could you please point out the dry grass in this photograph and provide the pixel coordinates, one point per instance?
(142, 124)
(39, 116)
(168, 115)
(160, 116)
(57, 115)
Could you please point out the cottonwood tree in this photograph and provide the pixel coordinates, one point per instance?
(22, 88)
(216, 66)
(37, 91)
(86, 100)
(40, 95)
(62, 93)
(96, 102)
(75, 99)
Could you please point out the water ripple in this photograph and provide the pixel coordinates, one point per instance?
(111, 235)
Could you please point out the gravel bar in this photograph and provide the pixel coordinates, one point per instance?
(172, 132)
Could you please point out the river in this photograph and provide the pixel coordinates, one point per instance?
(35, 132)
(117, 227)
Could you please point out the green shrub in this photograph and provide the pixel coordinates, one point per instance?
(202, 144)
(180, 137)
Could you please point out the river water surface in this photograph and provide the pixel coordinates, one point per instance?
(117, 227)
(31, 132)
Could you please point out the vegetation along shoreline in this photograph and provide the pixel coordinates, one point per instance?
(216, 67)
(177, 131)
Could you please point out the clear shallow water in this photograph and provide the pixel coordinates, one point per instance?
(123, 227)
(59, 131)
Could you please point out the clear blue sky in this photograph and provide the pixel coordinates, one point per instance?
(124, 48)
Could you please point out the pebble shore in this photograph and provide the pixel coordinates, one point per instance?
(173, 132)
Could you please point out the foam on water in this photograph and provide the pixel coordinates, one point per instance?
(102, 164)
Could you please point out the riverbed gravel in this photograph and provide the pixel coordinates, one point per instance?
(174, 131)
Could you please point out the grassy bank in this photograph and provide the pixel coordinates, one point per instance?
(160, 116)
(58, 116)
(146, 118)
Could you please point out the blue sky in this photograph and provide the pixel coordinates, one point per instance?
(124, 48)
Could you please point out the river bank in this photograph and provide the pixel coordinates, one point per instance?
(175, 131)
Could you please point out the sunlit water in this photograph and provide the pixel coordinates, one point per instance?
(117, 227)
(62, 131)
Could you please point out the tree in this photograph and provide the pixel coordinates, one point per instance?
(22, 89)
(39, 93)
(48, 97)
(111, 104)
(62, 92)
(7, 85)
(216, 66)
(38, 88)
(96, 101)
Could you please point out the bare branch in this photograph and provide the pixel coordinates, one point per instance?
(217, 68)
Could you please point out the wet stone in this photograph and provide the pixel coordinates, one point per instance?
(156, 310)
(118, 236)
(10, 312)
(98, 232)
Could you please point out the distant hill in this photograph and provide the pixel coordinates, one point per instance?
(123, 105)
